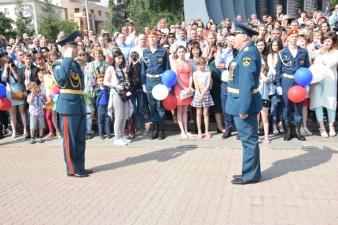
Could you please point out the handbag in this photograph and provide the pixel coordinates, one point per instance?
(184, 94)
(17, 95)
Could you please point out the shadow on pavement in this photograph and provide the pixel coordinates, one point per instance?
(311, 158)
(161, 155)
(14, 141)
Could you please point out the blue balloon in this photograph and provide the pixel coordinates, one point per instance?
(303, 77)
(169, 78)
(2, 90)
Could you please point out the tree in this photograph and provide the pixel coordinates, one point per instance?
(23, 24)
(6, 25)
(50, 24)
(146, 12)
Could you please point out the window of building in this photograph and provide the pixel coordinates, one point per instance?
(99, 12)
(6, 11)
(92, 11)
(76, 10)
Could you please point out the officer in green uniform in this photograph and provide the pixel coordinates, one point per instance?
(71, 107)
(244, 101)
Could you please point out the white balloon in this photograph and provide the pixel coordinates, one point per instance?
(160, 92)
(318, 72)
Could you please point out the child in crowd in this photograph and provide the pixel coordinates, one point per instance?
(36, 100)
(47, 87)
(202, 97)
(101, 95)
(264, 89)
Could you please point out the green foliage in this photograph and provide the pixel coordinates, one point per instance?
(6, 25)
(50, 24)
(146, 12)
(23, 24)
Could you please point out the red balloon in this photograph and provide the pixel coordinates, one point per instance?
(5, 104)
(297, 94)
(170, 102)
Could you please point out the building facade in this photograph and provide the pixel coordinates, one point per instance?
(221, 9)
(98, 13)
(32, 10)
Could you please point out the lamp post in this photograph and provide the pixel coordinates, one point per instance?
(87, 16)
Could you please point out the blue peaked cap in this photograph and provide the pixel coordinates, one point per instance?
(69, 39)
(242, 28)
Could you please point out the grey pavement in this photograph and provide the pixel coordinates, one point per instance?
(173, 181)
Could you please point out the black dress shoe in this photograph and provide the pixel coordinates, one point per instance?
(87, 171)
(78, 175)
(226, 135)
(237, 176)
(242, 182)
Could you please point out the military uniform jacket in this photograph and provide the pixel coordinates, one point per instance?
(68, 75)
(244, 71)
(154, 63)
(287, 64)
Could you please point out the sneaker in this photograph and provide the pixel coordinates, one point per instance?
(58, 135)
(323, 132)
(281, 128)
(32, 141)
(50, 136)
(119, 142)
(274, 129)
(332, 132)
(125, 139)
(41, 140)
(307, 131)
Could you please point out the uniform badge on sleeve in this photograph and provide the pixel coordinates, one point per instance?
(246, 61)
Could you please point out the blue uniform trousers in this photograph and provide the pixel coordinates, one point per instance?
(226, 116)
(298, 116)
(73, 131)
(156, 111)
(247, 130)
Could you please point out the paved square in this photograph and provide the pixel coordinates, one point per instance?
(174, 181)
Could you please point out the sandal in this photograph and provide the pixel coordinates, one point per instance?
(208, 136)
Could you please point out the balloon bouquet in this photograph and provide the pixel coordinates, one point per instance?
(161, 91)
(5, 103)
(303, 78)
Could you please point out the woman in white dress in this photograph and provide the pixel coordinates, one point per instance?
(324, 93)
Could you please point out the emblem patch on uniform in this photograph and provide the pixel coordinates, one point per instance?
(246, 61)
(301, 62)
(246, 49)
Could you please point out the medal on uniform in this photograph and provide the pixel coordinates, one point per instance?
(301, 62)
(232, 71)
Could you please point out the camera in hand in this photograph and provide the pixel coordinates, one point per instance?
(125, 94)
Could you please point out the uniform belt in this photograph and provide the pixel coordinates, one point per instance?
(290, 76)
(153, 75)
(70, 91)
(236, 90)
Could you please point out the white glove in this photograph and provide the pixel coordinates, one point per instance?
(144, 88)
(68, 53)
(279, 91)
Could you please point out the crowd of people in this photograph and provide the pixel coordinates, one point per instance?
(200, 54)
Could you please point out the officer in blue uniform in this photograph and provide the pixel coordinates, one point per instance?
(71, 107)
(244, 101)
(155, 62)
(290, 59)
